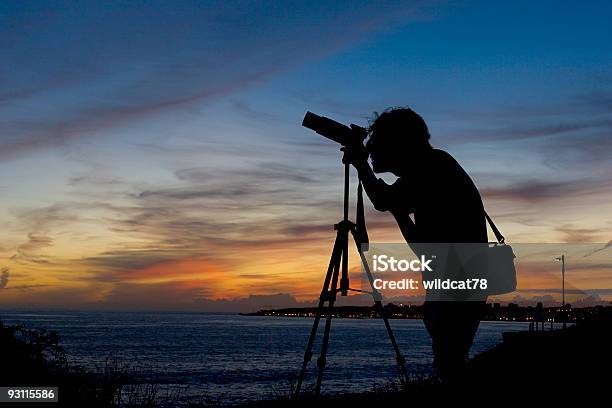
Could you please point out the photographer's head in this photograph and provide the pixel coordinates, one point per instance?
(398, 137)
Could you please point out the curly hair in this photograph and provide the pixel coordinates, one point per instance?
(400, 121)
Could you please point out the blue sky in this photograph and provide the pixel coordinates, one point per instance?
(145, 133)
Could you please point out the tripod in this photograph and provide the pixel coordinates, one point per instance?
(338, 268)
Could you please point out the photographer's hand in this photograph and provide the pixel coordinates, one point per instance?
(377, 190)
(356, 155)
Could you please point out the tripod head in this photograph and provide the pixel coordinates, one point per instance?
(357, 229)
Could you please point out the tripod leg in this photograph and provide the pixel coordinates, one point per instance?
(401, 361)
(333, 264)
(322, 360)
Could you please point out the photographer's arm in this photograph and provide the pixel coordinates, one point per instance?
(386, 200)
(378, 191)
(382, 195)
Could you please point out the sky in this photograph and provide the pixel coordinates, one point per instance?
(151, 153)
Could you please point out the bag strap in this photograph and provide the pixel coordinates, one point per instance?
(498, 235)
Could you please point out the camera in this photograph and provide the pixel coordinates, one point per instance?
(339, 133)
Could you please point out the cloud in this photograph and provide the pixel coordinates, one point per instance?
(4, 277)
(539, 130)
(540, 164)
(150, 296)
(590, 301)
(606, 246)
(38, 220)
(53, 297)
(262, 172)
(126, 62)
(114, 264)
(29, 252)
(305, 229)
(537, 191)
(214, 214)
(211, 207)
(25, 288)
(175, 296)
(36, 242)
(569, 136)
(547, 300)
(573, 234)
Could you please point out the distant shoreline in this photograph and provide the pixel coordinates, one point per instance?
(494, 312)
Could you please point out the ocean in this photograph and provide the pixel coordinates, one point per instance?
(238, 358)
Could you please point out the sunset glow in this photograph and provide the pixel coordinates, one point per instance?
(166, 168)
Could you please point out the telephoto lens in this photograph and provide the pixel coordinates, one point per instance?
(333, 130)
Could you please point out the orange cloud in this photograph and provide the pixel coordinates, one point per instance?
(190, 272)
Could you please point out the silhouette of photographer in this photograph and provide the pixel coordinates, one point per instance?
(446, 207)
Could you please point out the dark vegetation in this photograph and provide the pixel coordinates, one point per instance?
(35, 358)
